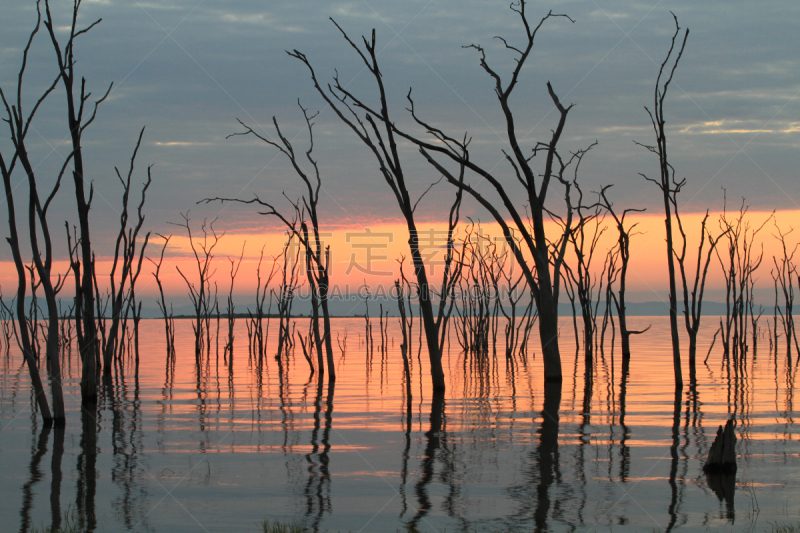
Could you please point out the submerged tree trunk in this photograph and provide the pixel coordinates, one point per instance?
(548, 332)
(692, 356)
(379, 137)
(669, 190)
(722, 455)
(89, 346)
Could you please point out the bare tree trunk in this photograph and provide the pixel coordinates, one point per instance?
(384, 147)
(77, 124)
(200, 294)
(543, 280)
(316, 255)
(169, 322)
(692, 306)
(126, 243)
(623, 249)
(19, 123)
(669, 189)
(584, 247)
(27, 349)
(738, 275)
(231, 311)
(785, 271)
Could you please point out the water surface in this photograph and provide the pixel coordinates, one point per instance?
(224, 446)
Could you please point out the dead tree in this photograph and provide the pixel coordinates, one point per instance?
(134, 308)
(66, 326)
(508, 287)
(8, 324)
(569, 290)
(667, 184)
(259, 335)
(231, 310)
(491, 273)
(784, 274)
(739, 271)
(212, 310)
(775, 311)
(692, 308)
(19, 123)
(34, 309)
(78, 122)
(623, 249)
(200, 294)
(544, 276)
(754, 318)
(583, 242)
(306, 346)
(722, 454)
(376, 131)
(611, 272)
(408, 290)
(406, 330)
(369, 343)
(316, 255)
(101, 302)
(169, 320)
(285, 298)
(126, 245)
(136, 312)
(475, 301)
(515, 289)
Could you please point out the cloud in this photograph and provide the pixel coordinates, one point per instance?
(187, 69)
(741, 126)
(184, 143)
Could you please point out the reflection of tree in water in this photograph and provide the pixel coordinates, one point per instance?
(86, 482)
(453, 466)
(788, 406)
(739, 395)
(295, 469)
(87, 469)
(624, 448)
(556, 483)
(166, 400)
(533, 495)
(55, 482)
(676, 484)
(290, 435)
(406, 453)
(127, 472)
(202, 377)
(679, 457)
(433, 439)
(318, 486)
(547, 452)
(448, 457)
(127, 442)
(584, 440)
(37, 452)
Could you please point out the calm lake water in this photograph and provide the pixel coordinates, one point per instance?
(224, 447)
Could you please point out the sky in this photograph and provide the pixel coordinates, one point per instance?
(188, 70)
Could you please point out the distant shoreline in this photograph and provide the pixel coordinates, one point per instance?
(639, 309)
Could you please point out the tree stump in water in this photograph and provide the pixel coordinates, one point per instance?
(722, 455)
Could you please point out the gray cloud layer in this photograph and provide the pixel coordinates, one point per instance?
(188, 69)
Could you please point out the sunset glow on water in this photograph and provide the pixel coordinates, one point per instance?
(221, 448)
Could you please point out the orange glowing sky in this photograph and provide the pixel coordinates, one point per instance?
(370, 255)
